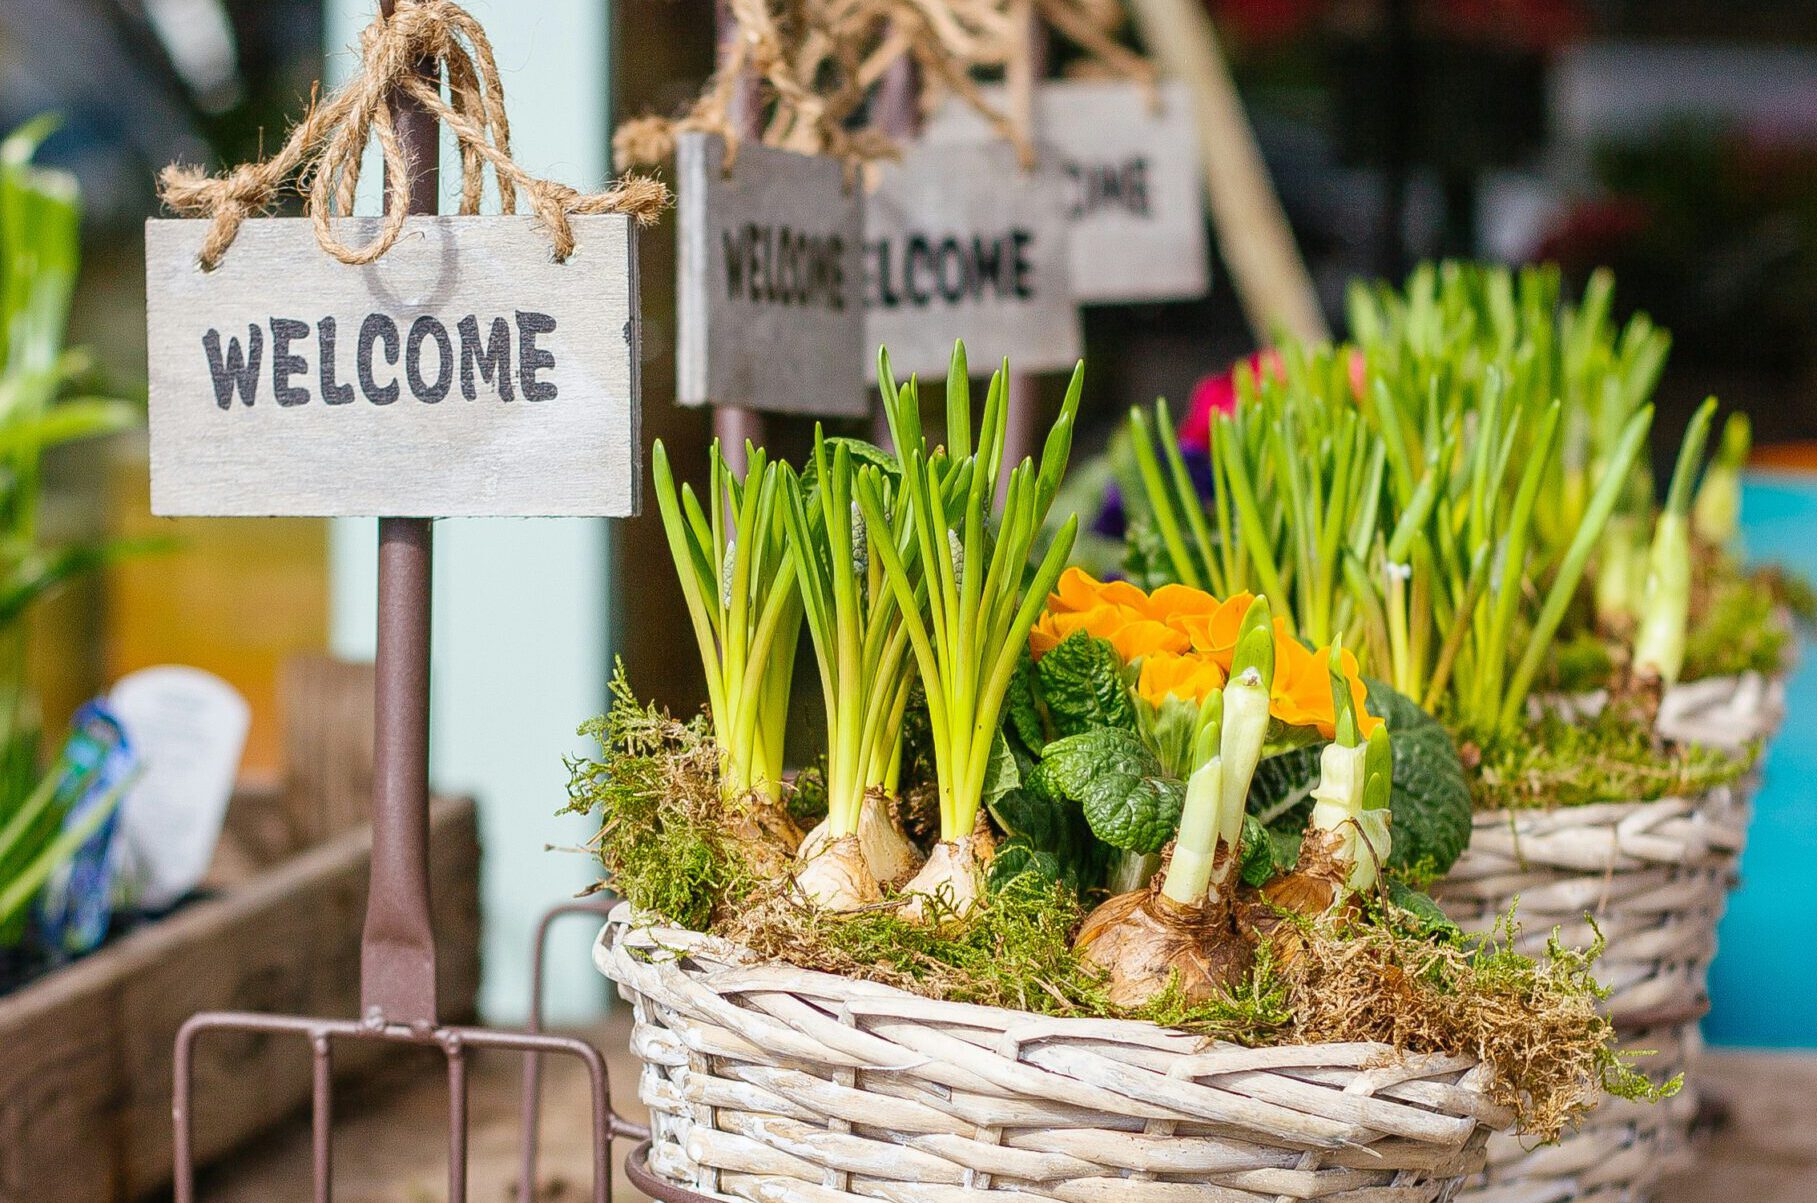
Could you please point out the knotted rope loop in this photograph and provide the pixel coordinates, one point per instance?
(322, 154)
(819, 62)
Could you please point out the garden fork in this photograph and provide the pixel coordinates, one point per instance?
(397, 950)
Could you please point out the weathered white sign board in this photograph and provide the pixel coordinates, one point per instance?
(769, 280)
(960, 242)
(1134, 188)
(465, 373)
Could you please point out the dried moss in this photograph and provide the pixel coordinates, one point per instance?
(1609, 759)
(1535, 1020)
(655, 787)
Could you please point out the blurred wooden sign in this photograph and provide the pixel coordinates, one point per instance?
(464, 373)
(960, 242)
(1134, 192)
(769, 280)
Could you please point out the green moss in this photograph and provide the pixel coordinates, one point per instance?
(1016, 952)
(655, 789)
(1579, 664)
(1741, 630)
(1255, 1013)
(1610, 759)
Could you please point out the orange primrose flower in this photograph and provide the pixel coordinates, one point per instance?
(1301, 695)
(1191, 677)
(1182, 636)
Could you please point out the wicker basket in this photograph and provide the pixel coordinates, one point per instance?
(770, 1083)
(1614, 1156)
(1655, 876)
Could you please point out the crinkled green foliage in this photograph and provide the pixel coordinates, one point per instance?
(1430, 800)
(1045, 833)
(1118, 784)
(1266, 854)
(1021, 710)
(1081, 683)
(1413, 911)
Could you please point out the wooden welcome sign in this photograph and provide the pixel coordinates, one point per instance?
(769, 280)
(1134, 194)
(961, 241)
(464, 372)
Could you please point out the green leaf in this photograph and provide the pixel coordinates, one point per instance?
(863, 455)
(1264, 856)
(1022, 714)
(1001, 775)
(1417, 914)
(1430, 798)
(1117, 783)
(1081, 681)
(1048, 833)
(1016, 857)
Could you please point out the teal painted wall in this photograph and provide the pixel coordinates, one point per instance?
(1763, 986)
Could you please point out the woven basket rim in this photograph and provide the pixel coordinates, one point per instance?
(761, 972)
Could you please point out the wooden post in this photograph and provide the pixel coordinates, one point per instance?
(1022, 408)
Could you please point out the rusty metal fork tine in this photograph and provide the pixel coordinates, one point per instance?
(531, 1101)
(457, 1118)
(182, 1152)
(321, 1116)
(603, 1121)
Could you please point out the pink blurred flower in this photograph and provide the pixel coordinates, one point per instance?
(1218, 395)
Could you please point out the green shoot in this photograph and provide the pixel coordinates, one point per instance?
(1350, 802)
(738, 577)
(1228, 746)
(962, 582)
(1716, 515)
(1659, 644)
(860, 643)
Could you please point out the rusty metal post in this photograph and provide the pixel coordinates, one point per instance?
(397, 949)
(530, 1101)
(899, 116)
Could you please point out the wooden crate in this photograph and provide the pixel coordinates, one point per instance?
(85, 1052)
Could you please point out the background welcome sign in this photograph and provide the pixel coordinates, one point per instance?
(1134, 194)
(959, 240)
(465, 372)
(769, 280)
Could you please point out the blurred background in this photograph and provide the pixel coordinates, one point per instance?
(1674, 140)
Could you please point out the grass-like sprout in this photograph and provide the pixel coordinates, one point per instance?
(1433, 494)
(1659, 644)
(964, 588)
(861, 648)
(738, 578)
(1716, 514)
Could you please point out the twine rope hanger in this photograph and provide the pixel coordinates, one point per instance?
(822, 60)
(324, 149)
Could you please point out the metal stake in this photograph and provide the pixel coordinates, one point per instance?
(397, 946)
